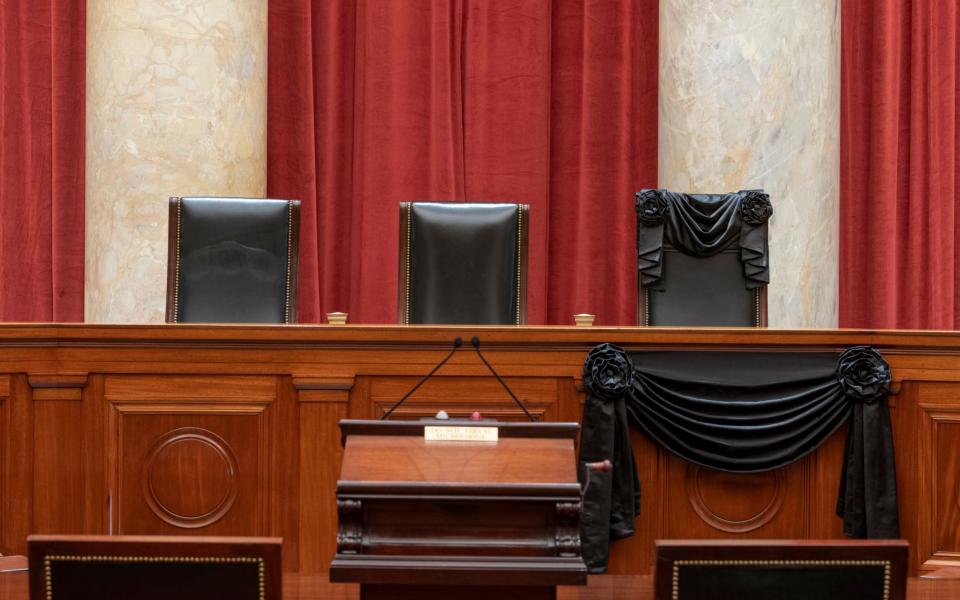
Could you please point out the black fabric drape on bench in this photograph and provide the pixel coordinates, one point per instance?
(736, 411)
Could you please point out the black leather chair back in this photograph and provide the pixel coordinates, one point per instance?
(233, 260)
(702, 258)
(702, 292)
(462, 263)
(783, 569)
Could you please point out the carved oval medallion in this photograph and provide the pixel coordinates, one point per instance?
(189, 477)
(735, 502)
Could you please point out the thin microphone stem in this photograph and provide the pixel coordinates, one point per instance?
(456, 344)
(476, 346)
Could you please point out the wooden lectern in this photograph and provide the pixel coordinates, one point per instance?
(458, 519)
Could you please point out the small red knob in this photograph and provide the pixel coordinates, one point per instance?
(475, 416)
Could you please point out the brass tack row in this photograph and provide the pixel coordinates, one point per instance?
(47, 567)
(675, 592)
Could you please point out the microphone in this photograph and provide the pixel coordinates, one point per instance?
(603, 466)
(475, 342)
(457, 342)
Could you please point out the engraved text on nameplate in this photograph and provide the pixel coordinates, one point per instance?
(452, 433)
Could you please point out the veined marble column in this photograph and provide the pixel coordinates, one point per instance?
(176, 106)
(750, 98)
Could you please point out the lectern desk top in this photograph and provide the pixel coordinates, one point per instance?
(526, 455)
(452, 513)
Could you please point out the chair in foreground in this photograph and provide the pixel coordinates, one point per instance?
(782, 569)
(702, 258)
(153, 568)
(463, 263)
(232, 260)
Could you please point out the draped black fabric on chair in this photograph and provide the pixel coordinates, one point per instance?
(232, 260)
(702, 258)
(463, 263)
(742, 412)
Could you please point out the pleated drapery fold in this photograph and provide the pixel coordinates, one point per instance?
(741, 412)
(42, 78)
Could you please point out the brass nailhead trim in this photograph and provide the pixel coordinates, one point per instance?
(646, 306)
(406, 294)
(519, 240)
(756, 302)
(286, 308)
(675, 592)
(48, 583)
(176, 280)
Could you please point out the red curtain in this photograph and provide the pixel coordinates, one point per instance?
(42, 50)
(899, 239)
(551, 103)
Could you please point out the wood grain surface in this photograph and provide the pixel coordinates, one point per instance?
(232, 429)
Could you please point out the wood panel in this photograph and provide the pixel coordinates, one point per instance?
(938, 459)
(191, 454)
(83, 409)
(16, 488)
(322, 403)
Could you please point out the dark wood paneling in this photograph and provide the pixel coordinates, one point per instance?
(59, 464)
(705, 503)
(81, 406)
(321, 406)
(192, 454)
(935, 482)
(16, 487)
(180, 473)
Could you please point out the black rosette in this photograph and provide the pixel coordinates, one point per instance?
(755, 208)
(863, 374)
(607, 372)
(651, 208)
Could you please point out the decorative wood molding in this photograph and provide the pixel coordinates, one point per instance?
(350, 530)
(206, 389)
(323, 389)
(290, 385)
(937, 415)
(57, 386)
(154, 476)
(719, 522)
(567, 538)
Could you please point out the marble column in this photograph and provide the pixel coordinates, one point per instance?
(750, 98)
(176, 106)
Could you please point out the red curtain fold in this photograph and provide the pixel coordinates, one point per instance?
(899, 239)
(549, 103)
(42, 75)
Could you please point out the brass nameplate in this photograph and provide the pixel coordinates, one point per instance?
(453, 433)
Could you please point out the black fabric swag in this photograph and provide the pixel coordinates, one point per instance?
(742, 412)
(703, 225)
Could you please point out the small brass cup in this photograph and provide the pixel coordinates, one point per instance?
(337, 318)
(583, 319)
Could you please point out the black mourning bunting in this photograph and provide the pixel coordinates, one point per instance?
(740, 412)
(703, 225)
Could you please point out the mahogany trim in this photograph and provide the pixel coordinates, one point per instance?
(468, 570)
(439, 491)
(415, 428)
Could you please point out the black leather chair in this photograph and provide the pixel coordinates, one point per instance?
(74, 567)
(783, 569)
(702, 258)
(233, 260)
(463, 263)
